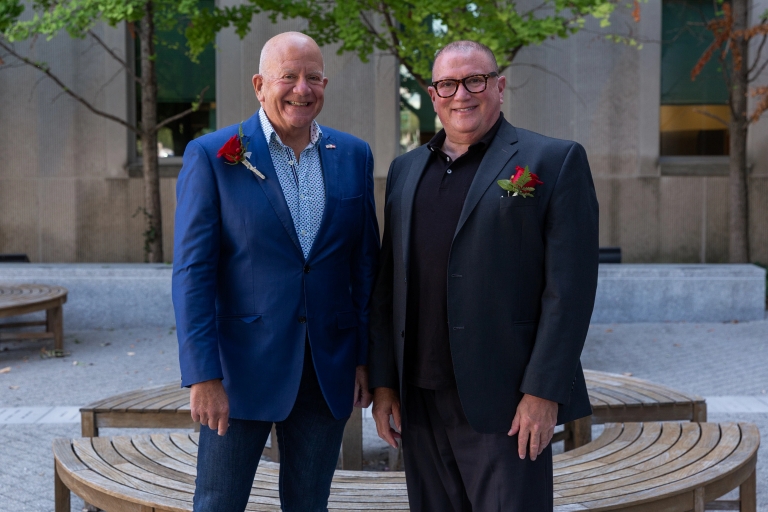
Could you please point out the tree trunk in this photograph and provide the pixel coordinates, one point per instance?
(153, 236)
(738, 242)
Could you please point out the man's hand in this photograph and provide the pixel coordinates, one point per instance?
(386, 403)
(535, 419)
(362, 394)
(210, 405)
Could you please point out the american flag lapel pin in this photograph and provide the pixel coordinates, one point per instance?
(330, 146)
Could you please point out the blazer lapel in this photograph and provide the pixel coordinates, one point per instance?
(501, 150)
(262, 160)
(418, 165)
(329, 162)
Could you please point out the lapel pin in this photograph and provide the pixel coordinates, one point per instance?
(330, 146)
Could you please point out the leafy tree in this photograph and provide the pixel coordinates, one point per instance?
(414, 30)
(146, 20)
(732, 39)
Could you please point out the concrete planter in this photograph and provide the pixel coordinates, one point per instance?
(118, 296)
(679, 293)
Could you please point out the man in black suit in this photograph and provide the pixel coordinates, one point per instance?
(483, 298)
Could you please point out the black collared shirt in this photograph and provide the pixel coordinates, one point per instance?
(437, 207)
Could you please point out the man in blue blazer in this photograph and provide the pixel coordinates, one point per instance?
(274, 257)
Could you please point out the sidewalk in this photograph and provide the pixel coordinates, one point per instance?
(724, 362)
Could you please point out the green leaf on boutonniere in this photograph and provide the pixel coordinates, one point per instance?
(507, 185)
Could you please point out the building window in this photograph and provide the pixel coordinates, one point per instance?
(179, 82)
(692, 112)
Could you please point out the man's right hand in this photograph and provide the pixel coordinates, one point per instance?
(210, 405)
(386, 403)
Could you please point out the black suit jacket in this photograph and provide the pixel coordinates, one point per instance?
(521, 279)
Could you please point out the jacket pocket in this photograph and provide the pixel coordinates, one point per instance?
(517, 201)
(346, 320)
(350, 201)
(248, 319)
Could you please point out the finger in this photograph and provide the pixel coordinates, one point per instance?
(357, 396)
(382, 424)
(535, 442)
(195, 416)
(515, 428)
(365, 398)
(396, 416)
(522, 441)
(546, 439)
(223, 425)
(213, 423)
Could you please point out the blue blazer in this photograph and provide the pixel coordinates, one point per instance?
(244, 296)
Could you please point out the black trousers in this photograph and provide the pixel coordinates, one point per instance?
(449, 467)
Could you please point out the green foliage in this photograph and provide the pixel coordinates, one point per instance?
(77, 17)
(10, 10)
(414, 30)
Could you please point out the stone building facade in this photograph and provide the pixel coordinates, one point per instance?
(70, 186)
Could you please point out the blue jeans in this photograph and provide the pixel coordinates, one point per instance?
(309, 441)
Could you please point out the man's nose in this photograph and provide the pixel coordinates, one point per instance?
(462, 93)
(302, 87)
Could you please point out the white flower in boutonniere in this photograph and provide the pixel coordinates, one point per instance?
(523, 183)
(234, 153)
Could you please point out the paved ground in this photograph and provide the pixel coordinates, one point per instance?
(724, 362)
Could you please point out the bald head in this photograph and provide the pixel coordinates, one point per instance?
(277, 47)
(467, 47)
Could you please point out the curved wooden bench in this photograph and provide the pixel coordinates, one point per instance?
(620, 398)
(20, 299)
(614, 398)
(639, 467)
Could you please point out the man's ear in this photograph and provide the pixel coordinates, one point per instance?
(258, 84)
(502, 84)
(432, 95)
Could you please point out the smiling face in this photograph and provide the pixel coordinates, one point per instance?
(290, 85)
(467, 116)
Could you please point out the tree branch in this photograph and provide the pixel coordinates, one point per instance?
(67, 90)
(713, 116)
(178, 116)
(115, 56)
(548, 72)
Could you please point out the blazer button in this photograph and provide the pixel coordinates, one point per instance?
(306, 269)
(402, 334)
(302, 319)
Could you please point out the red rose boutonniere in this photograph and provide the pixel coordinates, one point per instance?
(523, 183)
(234, 152)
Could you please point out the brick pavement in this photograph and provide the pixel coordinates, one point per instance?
(707, 359)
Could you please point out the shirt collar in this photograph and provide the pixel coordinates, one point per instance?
(315, 133)
(436, 143)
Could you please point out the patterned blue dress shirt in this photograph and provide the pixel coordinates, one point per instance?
(302, 181)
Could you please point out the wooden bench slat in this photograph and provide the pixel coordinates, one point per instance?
(610, 433)
(716, 466)
(118, 483)
(677, 468)
(647, 443)
(107, 404)
(149, 481)
(632, 382)
(153, 462)
(629, 434)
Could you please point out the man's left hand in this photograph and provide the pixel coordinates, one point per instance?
(535, 419)
(363, 395)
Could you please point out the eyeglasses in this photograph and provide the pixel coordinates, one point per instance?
(473, 84)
